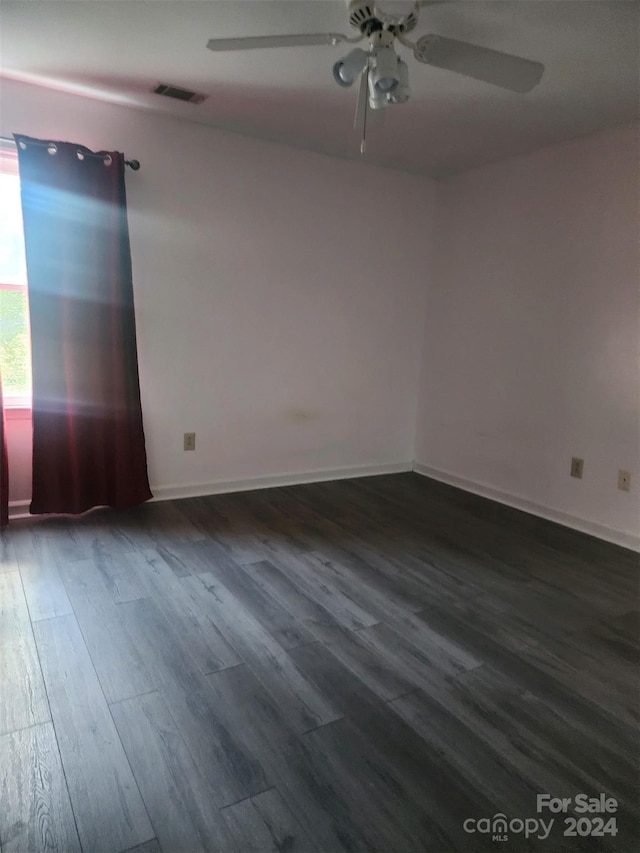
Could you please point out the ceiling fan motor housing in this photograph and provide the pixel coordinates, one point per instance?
(365, 17)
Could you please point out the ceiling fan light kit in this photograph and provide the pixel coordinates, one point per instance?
(385, 73)
(346, 71)
(384, 77)
(401, 93)
(377, 99)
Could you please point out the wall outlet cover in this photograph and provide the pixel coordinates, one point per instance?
(624, 481)
(577, 467)
(189, 441)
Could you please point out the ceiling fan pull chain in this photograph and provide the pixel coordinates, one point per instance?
(363, 144)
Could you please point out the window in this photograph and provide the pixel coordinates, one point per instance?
(15, 347)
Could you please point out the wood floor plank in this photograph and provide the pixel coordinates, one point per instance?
(439, 537)
(408, 580)
(8, 557)
(95, 531)
(437, 647)
(128, 528)
(165, 523)
(118, 665)
(304, 705)
(171, 555)
(248, 828)
(285, 830)
(264, 824)
(109, 812)
(501, 535)
(226, 764)
(117, 568)
(24, 699)
(280, 587)
(206, 645)
(397, 655)
(257, 534)
(428, 667)
(571, 660)
(180, 528)
(381, 571)
(559, 576)
(236, 537)
(456, 744)
(533, 612)
(383, 676)
(500, 716)
(524, 670)
(621, 632)
(45, 593)
(543, 728)
(67, 540)
(377, 749)
(393, 802)
(615, 742)
(279, 622)
(179, 800)
(344, 609)
(300, 773)
(36, 813)
(405, 623)
(152, 846)
(610, 645)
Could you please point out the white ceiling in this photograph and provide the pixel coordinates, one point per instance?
(119, 49)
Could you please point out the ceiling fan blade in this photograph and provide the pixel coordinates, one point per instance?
(294, 40)
(481, 63)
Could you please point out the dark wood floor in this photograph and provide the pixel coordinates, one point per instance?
(349, 666)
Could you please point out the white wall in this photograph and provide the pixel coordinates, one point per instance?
(276, 322)
(531, 338)
(279, 303)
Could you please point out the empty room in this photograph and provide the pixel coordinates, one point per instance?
(320, 426)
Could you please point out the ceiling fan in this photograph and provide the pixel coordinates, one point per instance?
(384, 77)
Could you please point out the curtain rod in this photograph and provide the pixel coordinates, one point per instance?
(134, 165)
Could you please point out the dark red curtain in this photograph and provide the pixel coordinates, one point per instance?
(4, 467)
(88, 439)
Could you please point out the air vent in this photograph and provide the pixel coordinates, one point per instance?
(179, 94)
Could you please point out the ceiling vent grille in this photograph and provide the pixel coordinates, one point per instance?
(178, 94)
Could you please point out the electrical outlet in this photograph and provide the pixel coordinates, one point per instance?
(624, 481)
(189, 441)
(577, 466)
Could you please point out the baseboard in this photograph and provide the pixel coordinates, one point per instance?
(601, 531)
(216, 487)
(19, 509)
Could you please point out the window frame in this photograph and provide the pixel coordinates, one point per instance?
(14, 402)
